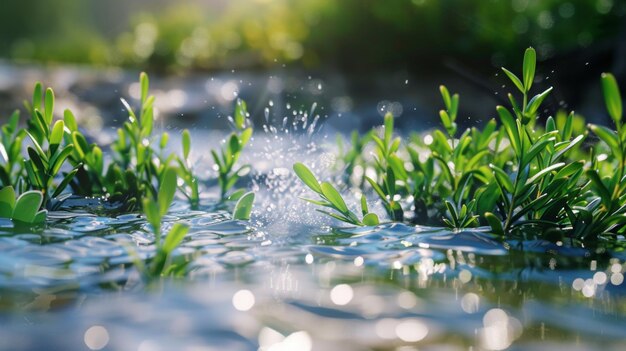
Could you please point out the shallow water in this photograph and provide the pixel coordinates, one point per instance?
(391, 287)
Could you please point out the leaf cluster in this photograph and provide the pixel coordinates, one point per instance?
(512, 175)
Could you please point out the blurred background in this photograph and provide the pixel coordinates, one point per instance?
(365, 56)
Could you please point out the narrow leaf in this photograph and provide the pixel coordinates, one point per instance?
(174, 237)
(307, 177)
(612, 97)
(333, 196)
(514, 79)
(530, 62)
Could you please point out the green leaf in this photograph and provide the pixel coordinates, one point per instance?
(570, 145)
(216, 159)
(49, 105)
(307, 177)
(503, 178)
(7, 202)
(445, 119)
(544, 171)
(454, 107)
(535, 150)
(40, 217)
(36, 160)
(80, 143)
(530, 62)
(388, 128)
(609, 137)
(494, 222)
(397, 165)
(599, 186)
(377, 189)
(511, 128)
(70, 120)
(151, 210)
(174, 237)
(243, 208)
(337, 216)
(27, 206)
(66, 180)
(445, 95)
(234, 145)
(186, 144)
(390, 182)
(167, 189)
(536, 101)
(245, 136)
(145, 84)
(241, 113)
(56, 162)
(612, 97)
(371, 219)
(364, 209)
(37, 146)
(570, 169)
(37, 95)
(317, 202)
(333, 196)
(514, 79)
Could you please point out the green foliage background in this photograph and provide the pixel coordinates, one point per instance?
(211, 34)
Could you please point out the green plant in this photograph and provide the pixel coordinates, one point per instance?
(24, 209)
(137, 166)
(389, 168)
(185, 171)
(331, 198)
(602, 209)
(47, 154)
(543, 181)
(154, 210)
(228, 156)
(518, 177)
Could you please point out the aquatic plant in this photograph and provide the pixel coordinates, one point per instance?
(47, 154)
(332, 199)
(60, 152)
(226, 158)
(185, 171)
(154, 209)
(388, 166)
(601, 208)
(513, 176)
(24, 209)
